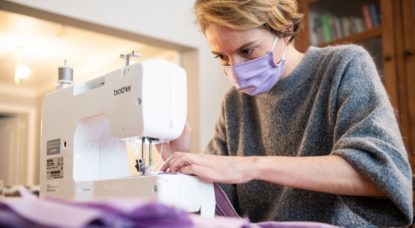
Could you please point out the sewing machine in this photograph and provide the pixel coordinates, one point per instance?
(85, 128)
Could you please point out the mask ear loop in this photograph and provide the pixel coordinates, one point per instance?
(283, 51)
(274, 43)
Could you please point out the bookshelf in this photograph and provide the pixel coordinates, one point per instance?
(331, 22)
(328, 22)
(355, 38)
(386, 29)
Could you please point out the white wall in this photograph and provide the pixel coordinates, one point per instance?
(166, 20)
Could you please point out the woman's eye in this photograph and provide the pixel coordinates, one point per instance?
(218, 56)
(247, 52)
(222, 58)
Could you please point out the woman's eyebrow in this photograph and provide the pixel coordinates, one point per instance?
(216, 53)
(238, 49)
(244, 46)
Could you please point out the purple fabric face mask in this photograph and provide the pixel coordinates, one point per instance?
(259, 75)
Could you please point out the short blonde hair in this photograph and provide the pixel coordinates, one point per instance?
(279, 16)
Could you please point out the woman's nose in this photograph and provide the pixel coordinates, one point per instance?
(235, 60)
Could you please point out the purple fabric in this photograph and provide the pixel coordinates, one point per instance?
(150, 214)
(10, 219)
(34, 212)
(223, 206)
(135, 213)
(29, 211)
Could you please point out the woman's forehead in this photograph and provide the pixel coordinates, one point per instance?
(219, 36)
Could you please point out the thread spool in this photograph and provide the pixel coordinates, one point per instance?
(65, 75)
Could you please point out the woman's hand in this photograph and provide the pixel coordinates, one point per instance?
(211, 168)
(180, 144)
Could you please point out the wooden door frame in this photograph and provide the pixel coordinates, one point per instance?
(408, 24)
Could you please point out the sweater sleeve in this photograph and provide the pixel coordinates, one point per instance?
(367, 135)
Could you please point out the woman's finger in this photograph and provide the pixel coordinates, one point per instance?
(178, 162)
(166, 163)
(175, 162)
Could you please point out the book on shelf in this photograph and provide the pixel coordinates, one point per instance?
(358, 24)
(374, 13)
(327, 31)
(367, 16)
(371, 15)
(336, 25)
(345, 22)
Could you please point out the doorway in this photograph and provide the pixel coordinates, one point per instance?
(13, 148)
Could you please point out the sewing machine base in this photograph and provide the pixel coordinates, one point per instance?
(179, 190)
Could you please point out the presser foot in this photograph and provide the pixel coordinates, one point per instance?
(142, 167)
(140, 164)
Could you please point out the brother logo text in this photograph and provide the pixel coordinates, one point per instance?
(122, 90)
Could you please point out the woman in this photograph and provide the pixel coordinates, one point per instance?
(305, 137)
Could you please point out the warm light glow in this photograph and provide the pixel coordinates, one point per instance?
(21, 73)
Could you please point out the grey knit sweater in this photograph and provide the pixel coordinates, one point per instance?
(332, 103)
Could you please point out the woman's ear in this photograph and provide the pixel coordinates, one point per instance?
(288, 35)
(287, 40)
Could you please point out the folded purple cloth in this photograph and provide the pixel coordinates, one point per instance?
(30, 211)
(10, 219)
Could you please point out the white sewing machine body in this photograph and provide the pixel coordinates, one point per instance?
(83, 152)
